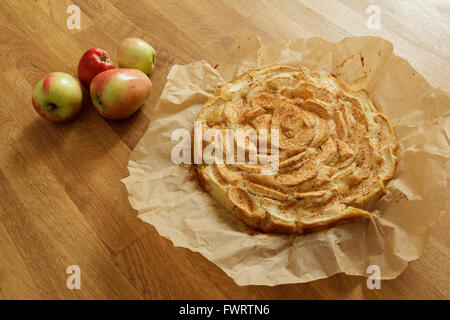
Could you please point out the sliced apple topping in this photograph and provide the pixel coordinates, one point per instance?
(240, 199)
(312, 194)
(292, 160)
(328, 150)
(345, 152)
(264, 191)
(281, 82)
(341, 126)
(307, 171)
(317, 108)
(266, 101)
(300, 92)
(230, 111)
(322, 133)
(386, 135)
(249, 114)
(359, 116)
(229, 175)
(364, 158)
(308, 118)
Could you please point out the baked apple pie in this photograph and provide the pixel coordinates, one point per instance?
(335, 152)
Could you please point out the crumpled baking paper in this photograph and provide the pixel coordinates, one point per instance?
(167, 196)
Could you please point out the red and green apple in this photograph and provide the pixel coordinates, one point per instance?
(93, 62)
(118, 93)
(58, 97)
(136, 54)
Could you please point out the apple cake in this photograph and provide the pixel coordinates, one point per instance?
(335, 151)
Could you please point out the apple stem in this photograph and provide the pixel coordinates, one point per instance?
(52, 106)
(103, 58)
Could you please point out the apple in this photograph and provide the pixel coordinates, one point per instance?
(118, 93)
(57, 97)
(136, 54)
(93, 62)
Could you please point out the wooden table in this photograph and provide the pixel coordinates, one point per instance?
(61, 199)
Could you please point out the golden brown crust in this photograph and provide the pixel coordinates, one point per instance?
(337, 152)
(351, 215)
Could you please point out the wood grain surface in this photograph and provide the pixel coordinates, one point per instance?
(61, 199)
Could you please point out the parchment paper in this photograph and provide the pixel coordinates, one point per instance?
(167, 197)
